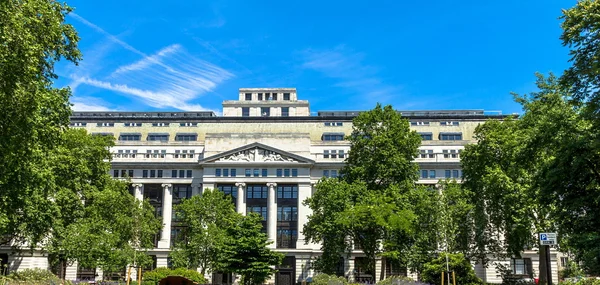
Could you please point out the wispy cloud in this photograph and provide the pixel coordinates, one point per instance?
(352, 73)
(169, 78)
(88, 104)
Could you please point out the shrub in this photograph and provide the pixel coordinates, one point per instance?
(325, 279)
(464, 273)
(34, 275)
(399, 280)
(155, 275)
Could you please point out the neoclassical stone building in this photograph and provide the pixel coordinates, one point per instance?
(267, 151)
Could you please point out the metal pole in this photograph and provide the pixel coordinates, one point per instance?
(548, 265)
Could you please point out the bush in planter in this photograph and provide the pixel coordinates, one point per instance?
(34, 275)
(152, 277)
(399, 280)
(325, 279)
(465, 275)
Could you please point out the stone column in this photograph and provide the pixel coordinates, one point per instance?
(272, 214)
(241, 198)
(196, 189)
(165, 234)
(139, 192)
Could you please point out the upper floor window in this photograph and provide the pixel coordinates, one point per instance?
(256, 191)
(132, 124)
(330, 173)
(160, 124)
(426, 153)
(450, 136)
(333, 137)
(248, 96)
(265, 111)
(273, 97)
(452, 173)
(334, 153)
(130, 137)
(285, 111)
(333, 124)
(287, 191)
(453, 123)
(419, 123)
(260, 96)
(426, 136)
(451, 153)
(286, 96)
(287, 172)
(186, 137)
(78, 124)
(287, 214)
(521, 266)
(105, 124)
(245, 112)
(428, 173)
(188, 124)
(182, 191)
(261, 210)
(158, 137)
(181, 173)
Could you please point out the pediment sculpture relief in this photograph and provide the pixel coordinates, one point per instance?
(257, 155)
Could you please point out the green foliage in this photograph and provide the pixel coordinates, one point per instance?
(584, 281)
(571, 270)
(245, 252)
(207, 219)
(457, 263)
(33, 36)
(326, 279)
(33, 275)
(157, 274)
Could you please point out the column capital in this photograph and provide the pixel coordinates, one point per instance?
(240, 184)
(137, 185)
(195, 184)
(272, 184)
(167, 185)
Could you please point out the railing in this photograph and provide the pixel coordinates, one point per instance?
(437, 157)
(143, 156)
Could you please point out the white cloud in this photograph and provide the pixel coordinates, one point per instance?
(148, 60)
(88, 104)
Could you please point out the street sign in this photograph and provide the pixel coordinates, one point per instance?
(548, 239)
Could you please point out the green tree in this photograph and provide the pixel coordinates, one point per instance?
(246, 251)
(206, 219)
(34, 37)
(369, 206)
(457, 263)
(98, 222)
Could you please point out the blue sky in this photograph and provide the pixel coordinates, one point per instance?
(340, 55)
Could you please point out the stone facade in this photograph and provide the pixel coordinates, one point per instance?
(267, 151)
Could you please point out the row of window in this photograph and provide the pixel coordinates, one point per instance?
(284, 214)
(333, 153)
(442, 136)
(256, 172)
(156, 153)
(426, 123)
(153, 173)
(157, 137)
(448, 173)
(267, 96)
(266, 111)
(334, 124)
(448, 153)
(159, 124)
(330, 173)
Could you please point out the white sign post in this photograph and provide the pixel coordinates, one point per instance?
(548, 239)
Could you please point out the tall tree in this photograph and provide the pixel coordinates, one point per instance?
(246, 251)
(206, 219)
(33, 38)
(376, 182)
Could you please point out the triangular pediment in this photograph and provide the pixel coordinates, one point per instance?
(257, 153)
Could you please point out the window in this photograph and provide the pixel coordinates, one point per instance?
(326, 154)
(287, 214)
(260, 96)
(159, 174)
(286, 172)
(286, 96)
(447, 174)
(152, 173)
(130, 137)
(248, 96)
(286, 237)
(285, 111)
(181, 173)
(233, 172)
(419, 123)
(245, 112)
(105, 124)
(130, 173)
(186, 137)
(225, 172)
(182, 191)
(450, 153)
(132, 124)
(78, 124)
(330, 173)
(424, 173)
(287, 191)
(265, 111)
(332, 137)
(248, 172)
(256, 172)
(521, 266)
(256, 191)
(145, 173)
(158, 137)
(279, 172)
(228, 189)
(174, 173)
(426, 153)
(188, 124)
(450, 136)
(261, 210)
(189, 173)
(456, 174)
(274, 97)
(431, 173)
(160, 124)
(426, 136)
(294, 172)
(449, 123)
